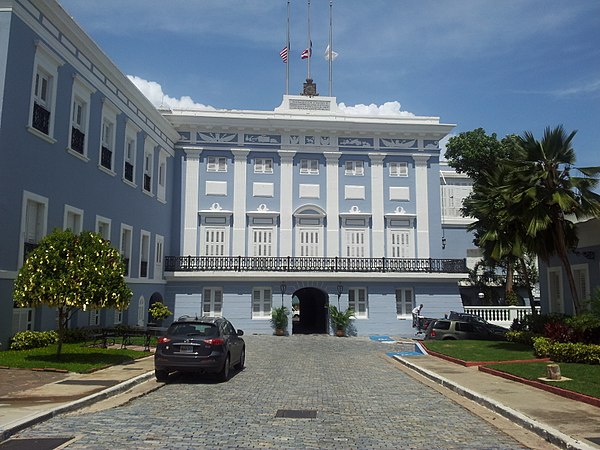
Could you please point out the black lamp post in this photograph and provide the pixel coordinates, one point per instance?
(340, 289)
(282, 288)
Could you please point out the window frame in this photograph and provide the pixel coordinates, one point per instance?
(108, 136)
(259, 305)
(145, 239)
(161, 193)
(262, 248)
(403, 307)
(355, 302)
(148, 169)
(126, 253)
(130, 153)
(398, 169)
(212, 310)
(263, 165)
(354, 168)
(159, 249)
(209, 247)
(216, 164)
(309, 166)
(71, 211)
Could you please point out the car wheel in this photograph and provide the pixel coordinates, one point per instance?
(240, 365)
(161, 375)
(224, 373)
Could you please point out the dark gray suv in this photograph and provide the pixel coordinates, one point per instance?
(203, 345)
(444, 329)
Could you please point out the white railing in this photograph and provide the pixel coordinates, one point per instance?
(500, 315)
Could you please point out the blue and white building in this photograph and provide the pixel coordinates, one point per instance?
(220, 212)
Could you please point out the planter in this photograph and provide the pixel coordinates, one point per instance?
(280, 332)
(340, 333)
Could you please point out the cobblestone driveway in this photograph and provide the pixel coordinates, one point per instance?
(362, 402)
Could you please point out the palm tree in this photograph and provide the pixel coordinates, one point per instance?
(545, 195)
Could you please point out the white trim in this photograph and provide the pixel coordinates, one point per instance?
(145, 238)
(422, 205)
(41, 222)
(189, 207)
(286, 177)
(77, 214)
(240, 160)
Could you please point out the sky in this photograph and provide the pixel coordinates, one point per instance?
(505, 66)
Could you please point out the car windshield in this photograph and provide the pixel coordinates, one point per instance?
(193, 329)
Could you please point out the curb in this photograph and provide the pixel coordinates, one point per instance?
(21, 424)
(550, 434)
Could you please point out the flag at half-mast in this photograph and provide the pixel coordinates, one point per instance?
(330, 55)
(307, 53)
(284, 54)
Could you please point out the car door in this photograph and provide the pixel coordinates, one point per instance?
(234, 342)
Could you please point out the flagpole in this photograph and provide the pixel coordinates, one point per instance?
(330, 48)
(287, 64)
(309, 46)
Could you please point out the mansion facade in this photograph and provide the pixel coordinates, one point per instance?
(220, 212)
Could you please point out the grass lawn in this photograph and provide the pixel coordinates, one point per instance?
(74, 357)
(585, 378)
(468, 350)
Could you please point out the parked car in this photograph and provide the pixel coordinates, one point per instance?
(203, 345)
(444, 329)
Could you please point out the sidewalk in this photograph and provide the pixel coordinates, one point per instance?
(561, 421)
(29, 397)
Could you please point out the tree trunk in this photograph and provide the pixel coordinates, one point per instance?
(61, 329)
(561, 248)
(510, 275)
(525, 272)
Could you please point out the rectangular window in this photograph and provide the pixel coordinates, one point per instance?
(309, 242)
(398, 169)
(158, 256)
(309, 166)
(144, 254)
(125, 248)
(355, 168)
(103, 227)
(94, 317)
(107, 153)
(35, 225)
(262, 299)
(141, 313)
(161, 193)
(582, 282)
(555, 289)
(216, 164)
(400, 245)
(262, 242)
(118, 316)
(78, 125)
(404, 302)
(453, 196)
(22, 320)
(357, 300)
(42, 101)
(212, 302)
(355, 243)
(263, 165)
(73, 219)
(148, 168)
(215, 241)
(129, 160)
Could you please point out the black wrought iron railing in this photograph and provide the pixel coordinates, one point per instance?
(41, 118)
(106, 158)
(312, 264)
(147, 183)
(77, 140)
(128, 171)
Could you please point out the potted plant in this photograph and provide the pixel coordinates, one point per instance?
(340, 319)
(158, 311)
(279, 320)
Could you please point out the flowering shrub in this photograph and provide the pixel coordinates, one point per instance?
(24, 340)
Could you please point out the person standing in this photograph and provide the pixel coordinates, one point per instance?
(416, 313)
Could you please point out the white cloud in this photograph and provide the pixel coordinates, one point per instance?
(387, 109)
(154, 92)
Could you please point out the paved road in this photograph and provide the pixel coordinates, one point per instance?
(361, 399)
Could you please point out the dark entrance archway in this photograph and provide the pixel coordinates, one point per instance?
(311, 304)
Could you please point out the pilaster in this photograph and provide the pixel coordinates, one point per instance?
(422, 205)
(191, 171)
(286, 198)
(239, 201)
(377, 207)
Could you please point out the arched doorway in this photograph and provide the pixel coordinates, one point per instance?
(311, 305)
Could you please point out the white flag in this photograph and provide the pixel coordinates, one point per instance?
(330, 54)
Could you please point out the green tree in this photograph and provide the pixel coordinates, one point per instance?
(69, 272)
(546, 196)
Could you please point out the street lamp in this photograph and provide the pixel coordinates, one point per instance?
(340, 289)
(282, 288)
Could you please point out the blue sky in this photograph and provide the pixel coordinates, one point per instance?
(506, 66)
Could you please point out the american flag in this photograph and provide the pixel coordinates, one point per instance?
(284, 54)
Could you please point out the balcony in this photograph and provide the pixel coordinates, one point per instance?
(316, 264)
(128, 171)
(106, 158)
(41, 119)
(77, 140)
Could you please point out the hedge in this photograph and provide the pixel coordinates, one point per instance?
(566, 351)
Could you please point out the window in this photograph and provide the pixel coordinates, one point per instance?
(262, 300)
(355, 243)
(453, 195)
(398, 169)
(141, 313)
(399, 244)
(404, 302)
(216, 164)
(158, 256)
(582, 282)
(107, 153)
(94, 317)
(22, 320)
(125, 249)
(309, 242)
(262, 242)
(129, 150)
(215, 241)
(355, 168)
(263, 165)
(357, 300)
(43, 92)
(212, 301)
(144, 253)
(148, 168)
(80, 100)
(555, 289)
(73, 219)
(162, 176)
(34, 219)
(309, 166)
(118, 316)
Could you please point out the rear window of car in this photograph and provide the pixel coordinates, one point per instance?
(442, 325)
(196, 329)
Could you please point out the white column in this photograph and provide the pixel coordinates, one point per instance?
(333, 203)
(422, 204)
(286, 198)
(191, 186)
(239, 202)
(377, 208)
